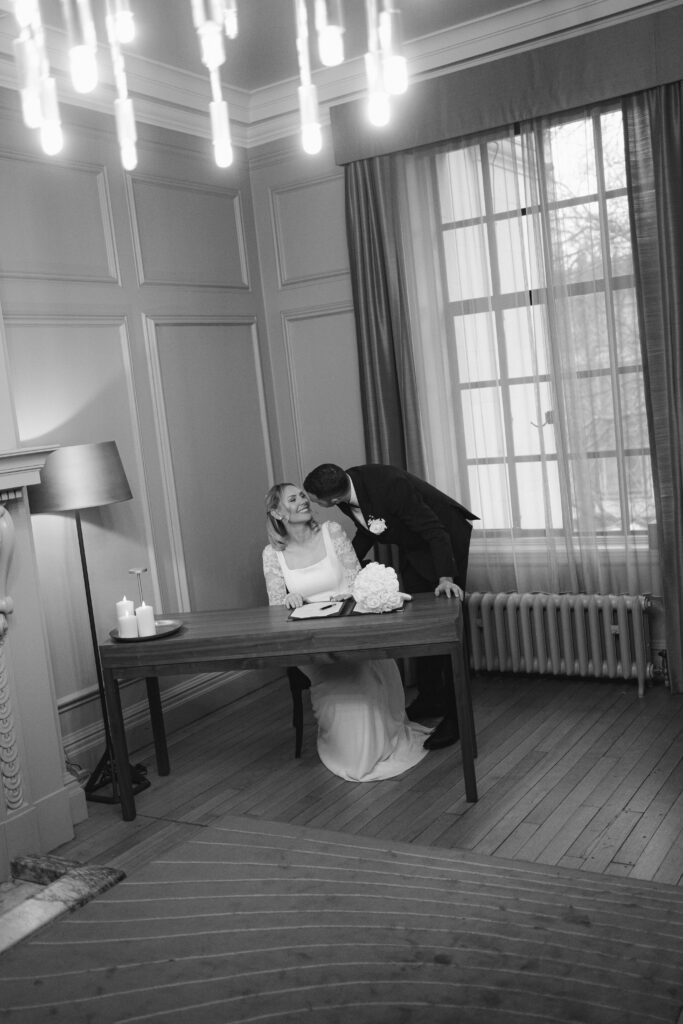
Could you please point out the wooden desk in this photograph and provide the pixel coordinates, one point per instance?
(263, 638)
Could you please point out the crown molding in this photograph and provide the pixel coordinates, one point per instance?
(171, 98)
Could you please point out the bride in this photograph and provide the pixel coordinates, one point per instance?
(363, 732)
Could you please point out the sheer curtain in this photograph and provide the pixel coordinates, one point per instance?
(519, 282)
(654, 134)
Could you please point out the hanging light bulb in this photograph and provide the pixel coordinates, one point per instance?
(230, 19)
(123, 106)
(82, 42)
(27, 62)
(83, 65)
(198, 13)
(126, 132)
(311, 132)
(51, 137)
(220, 131)
(394, 64)
(379, 111)
(212, 49)
(330, 30)
(37, 87)
(124, 22)
(211, 45)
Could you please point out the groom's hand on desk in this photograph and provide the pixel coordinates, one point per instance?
(448, 588)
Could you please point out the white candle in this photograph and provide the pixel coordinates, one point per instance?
(145, 616)
(124, 607)
(128, 626)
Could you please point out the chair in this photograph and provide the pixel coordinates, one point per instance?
(298, 682)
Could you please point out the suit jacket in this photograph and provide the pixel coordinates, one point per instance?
(430, 529)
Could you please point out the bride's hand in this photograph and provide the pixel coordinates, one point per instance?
(293, 601)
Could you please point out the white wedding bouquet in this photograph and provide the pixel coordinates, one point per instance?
(375, 589)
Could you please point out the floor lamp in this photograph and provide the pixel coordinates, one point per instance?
(76, 477)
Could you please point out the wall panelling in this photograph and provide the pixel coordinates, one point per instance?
(188, 234)
(69, 234)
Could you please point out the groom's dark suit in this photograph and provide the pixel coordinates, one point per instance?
(432, 534)
(430, 530)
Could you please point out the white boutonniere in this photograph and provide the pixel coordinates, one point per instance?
(376, 526)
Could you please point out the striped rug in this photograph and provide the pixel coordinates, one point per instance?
(261, 921)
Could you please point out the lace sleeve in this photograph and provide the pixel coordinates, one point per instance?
(344, 552)
(275, 581)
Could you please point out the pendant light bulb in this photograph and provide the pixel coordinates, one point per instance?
(124, 23)
(223, 155)
(126, 132)
(129, 156)
(83, 65)
(27, 63)
(311, 139)
(51, 137)
(379, 111)
(331, 45)
(311, 133)
(30, 108)
(329, 27)
(395, 70)
(211, 45)
(220, 132)
(230, 20)
(394, 64)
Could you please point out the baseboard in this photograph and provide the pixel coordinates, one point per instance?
(77, 803)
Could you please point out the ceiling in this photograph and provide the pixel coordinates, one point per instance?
(264, 52)
(170, 86)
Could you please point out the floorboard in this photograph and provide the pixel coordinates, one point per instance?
(575, 773)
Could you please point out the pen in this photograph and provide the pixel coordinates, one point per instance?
(324, 606)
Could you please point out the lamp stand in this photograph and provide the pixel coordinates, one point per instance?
(104, 773)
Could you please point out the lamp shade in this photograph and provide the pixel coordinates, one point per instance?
(80, 476)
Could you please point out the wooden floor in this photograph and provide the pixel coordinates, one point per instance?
(576, 773)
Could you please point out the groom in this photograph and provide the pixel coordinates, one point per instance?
(432, 534)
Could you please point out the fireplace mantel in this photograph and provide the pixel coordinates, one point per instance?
(19, 469)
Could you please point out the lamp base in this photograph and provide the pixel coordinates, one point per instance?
(103, 776)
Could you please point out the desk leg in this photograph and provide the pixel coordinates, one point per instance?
(156, 716)
(463, 703)
(121, 765)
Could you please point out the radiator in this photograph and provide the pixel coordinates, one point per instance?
(590, 635)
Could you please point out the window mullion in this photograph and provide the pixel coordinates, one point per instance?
(622, 474)
(499, 324)
(462, 456)
(554, 362)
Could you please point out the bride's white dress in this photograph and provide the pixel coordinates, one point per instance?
(363, 732)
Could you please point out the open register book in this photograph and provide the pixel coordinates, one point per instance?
(323, 609)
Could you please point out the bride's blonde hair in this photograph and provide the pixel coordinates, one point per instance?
(275, 528)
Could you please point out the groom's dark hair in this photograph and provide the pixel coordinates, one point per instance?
(327, 481)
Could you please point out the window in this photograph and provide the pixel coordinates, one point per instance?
(537, 279)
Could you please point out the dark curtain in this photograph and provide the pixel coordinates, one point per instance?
(654, 148)
(387, 376)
